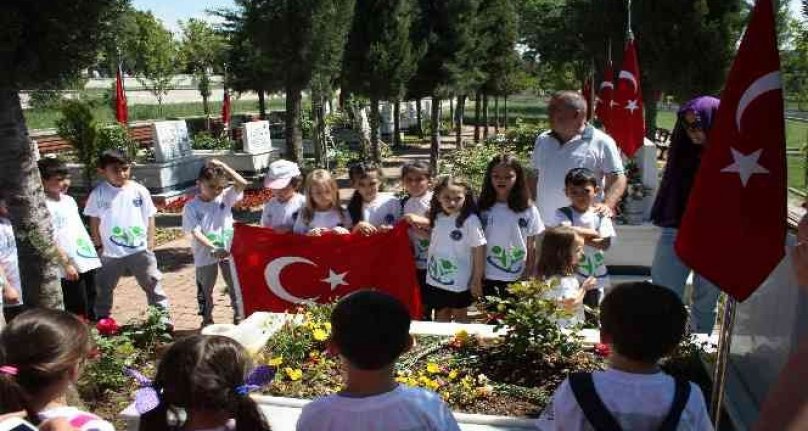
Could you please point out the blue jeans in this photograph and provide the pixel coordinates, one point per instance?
(667, 270)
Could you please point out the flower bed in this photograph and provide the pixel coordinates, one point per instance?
(253, 199)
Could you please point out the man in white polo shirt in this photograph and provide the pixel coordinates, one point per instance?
(572, 143)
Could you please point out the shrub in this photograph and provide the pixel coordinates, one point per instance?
(44, 99)
(116, 136)
(78, 127)
(206, 141)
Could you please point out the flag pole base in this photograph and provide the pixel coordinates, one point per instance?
(720, 372)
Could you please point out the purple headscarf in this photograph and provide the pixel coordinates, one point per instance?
(683, 162)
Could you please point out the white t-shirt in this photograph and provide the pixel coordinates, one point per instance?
(592, 149)
(593, 263)
(636, 401)
(507, 233)
(214, 219)
(450, 256)
(418, 205)
(385, 209)
(402, 409)
(124, 213)
(8, 258)
(328, 219)
(78, 419)
(282, 215)
(71, 235)
(568, 287)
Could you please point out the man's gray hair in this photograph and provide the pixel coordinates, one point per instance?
(571, 99)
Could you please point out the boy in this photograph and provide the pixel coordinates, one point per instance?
(370, 330)
(9, 267)
(280, 212)
(581, 187)
(208, 218)
(642, 322)
(417, 180)
(77, 255)
(122, 228)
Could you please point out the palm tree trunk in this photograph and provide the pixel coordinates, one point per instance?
(485, 116)
(496, 114)
(375, 148)
(317, 119)
(262, 105)
(461, 107)
(294, 135)
(451, 114)
(419, 129)
(505, 99)
(477, 117)
(434, 150)
(29, 216)
(396, 123)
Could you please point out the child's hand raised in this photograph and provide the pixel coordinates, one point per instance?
(340, 230)
(589, 284)
(365, 228)
(318, 231)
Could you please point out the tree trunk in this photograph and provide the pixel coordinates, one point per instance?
(485, 116)
(650, 110)
(434, 150)
(205, 107)
(317, 120)
(375, 148)
(505, 100)
(461, 107)
(262, 105)
(29, 216)
(294, 135)
(496, 114)
(451, 114)
(419, 130)
(397, 123)
(477, 117)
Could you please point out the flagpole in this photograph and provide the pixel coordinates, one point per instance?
(722, 359)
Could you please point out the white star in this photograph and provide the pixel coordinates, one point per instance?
(632, 106)
(745, 165)
(334, 279)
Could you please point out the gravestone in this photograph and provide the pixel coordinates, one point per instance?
(256, 137)
(171, 140)
(387, 112)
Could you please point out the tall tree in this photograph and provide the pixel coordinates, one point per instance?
(202, 51)
(43, 44)
(156, 54)
(380, 57)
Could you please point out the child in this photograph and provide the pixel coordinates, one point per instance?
(370, 330)
(203, 375)
(322, 212)
(561, 250)
(416, 179)
(511, 223)
(370, 210)
(642, 322)
(9, 266)
(41, 353)
(581, 187)
(281, 211)
(122, 226)
(77, 255)
(208, 218)
(456, 251)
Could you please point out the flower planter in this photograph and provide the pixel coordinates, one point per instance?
(169, 177)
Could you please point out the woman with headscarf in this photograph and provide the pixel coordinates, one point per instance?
(687, 143)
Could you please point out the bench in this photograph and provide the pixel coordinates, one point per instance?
(662, 139)
(50, 144)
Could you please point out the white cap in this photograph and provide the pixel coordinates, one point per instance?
(280, 174)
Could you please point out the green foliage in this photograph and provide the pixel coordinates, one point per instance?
(295, 340)
(496, 45)
(78, 127)
(156, 56)
(116, 136)
(204, 140)
(44, 98)
(202, 50)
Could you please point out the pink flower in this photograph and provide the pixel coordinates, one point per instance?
(602, 350)
(107, 326)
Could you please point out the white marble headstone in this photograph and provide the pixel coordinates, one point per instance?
(171, 140)
(257, 137)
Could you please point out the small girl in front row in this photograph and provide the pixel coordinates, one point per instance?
(456, 256)
(41, 355)
(561, 250)
(204, 376)
(416, 179)
(370, 210)
(323, 212)
(511, 223)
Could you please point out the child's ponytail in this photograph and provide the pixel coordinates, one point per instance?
(13, 397)
(355, 207)
(249, 416)
(155, 419)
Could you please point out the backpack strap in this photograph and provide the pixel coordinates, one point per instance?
(680, 398)
(567, 211)
(596, 413)
(403, 202)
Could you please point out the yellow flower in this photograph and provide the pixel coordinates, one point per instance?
(462, 335)
(275, 362)
(428, 383)
(294, 375)
(319, 334)
(453, 374)
(432, 368)
(327, 326)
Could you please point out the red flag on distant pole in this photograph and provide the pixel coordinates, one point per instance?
(587, 93)
(733, 232)
(603, 105)
(226, 109)
(626, 120)
(121, 110)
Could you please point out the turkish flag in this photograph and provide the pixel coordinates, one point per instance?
(277, 271)
(226, 109)
(733, 231)
(626, 122)
(121, 111)
(603, 105)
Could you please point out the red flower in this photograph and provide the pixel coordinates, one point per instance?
(107, 326)
(602, 350)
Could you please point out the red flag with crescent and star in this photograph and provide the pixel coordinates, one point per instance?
(733, 230)
(121, 111)
(603, 105)
(626, 119)
(275, 271)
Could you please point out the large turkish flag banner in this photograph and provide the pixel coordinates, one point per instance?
(275, 271)
(626, 119)
(733, 231)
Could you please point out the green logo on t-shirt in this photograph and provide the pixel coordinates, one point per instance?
(442, 270)
(132, 237)
(592, 265)
(510, 260)
(85, 249)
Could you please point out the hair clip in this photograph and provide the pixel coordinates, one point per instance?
(258, 377)
(9, 370)
(146, 398)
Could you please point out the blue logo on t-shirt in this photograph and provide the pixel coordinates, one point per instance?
(221, 206)
(137, 202)
(389, 218)
(456, 235)
(522, 222)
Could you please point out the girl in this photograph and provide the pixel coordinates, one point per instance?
(416, 179)
(561, 250)
(511, 223)
(281, 211)
(41, 355)
(370, 210)
(322, 212)
(456, 254)
(202, 375)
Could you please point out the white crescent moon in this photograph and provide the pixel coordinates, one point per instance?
(624, 74)
(768, 82)
(606, 84)
(272, 275)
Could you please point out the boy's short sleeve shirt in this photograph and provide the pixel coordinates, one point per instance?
(594, 262)
(507, 234)
(418, 205)
(282, 215)
(384, 210)
(8, 258)
(450, 256)
(124, 214)
(71, 235)
(214, 219)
